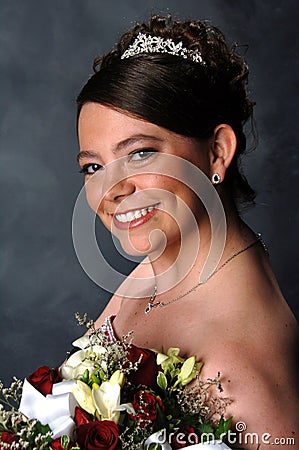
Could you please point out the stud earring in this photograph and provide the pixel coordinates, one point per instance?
(216, 178)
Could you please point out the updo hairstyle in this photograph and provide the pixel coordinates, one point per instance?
(183, 96)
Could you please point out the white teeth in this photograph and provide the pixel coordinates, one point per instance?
(132, 215)
(137, 214)
(129, 216)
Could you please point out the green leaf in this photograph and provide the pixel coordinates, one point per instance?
(207, 431)
(223, 428)
(162, 381)
(173, 370)
(160, 421)
(95, 379)
(64, 440)
(41, 429)
(161, 358)
(187, 372)
(187, 367)
(85, 377)
(102, 375)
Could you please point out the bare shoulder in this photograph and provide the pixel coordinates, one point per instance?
(257, 361)
(254, 343)
(264, 396)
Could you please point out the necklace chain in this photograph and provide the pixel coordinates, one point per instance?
(152, 304)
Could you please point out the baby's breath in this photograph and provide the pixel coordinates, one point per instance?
(198, 400)
(131, 439)
(11, 395)
(116, 355)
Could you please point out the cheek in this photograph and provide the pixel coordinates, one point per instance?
(165, 184)
(96, 202)
(92, 197)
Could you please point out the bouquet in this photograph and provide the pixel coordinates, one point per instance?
(113, 395)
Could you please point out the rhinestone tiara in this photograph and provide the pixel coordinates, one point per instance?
(144, 43)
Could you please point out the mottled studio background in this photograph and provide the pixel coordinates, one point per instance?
(47, 48)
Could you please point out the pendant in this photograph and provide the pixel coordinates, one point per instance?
(150, 306)
(148, 309)
(151, 303)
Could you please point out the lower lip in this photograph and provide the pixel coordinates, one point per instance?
(136, 222)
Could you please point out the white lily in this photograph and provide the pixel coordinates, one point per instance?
(82, 342)
(107, 397)
(126, 407)
(117, 377)
(83, 394)
(86, 358)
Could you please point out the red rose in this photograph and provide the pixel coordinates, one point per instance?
(43, 379)
(98, 435)
(7, 438)
(145, 405)
(56, 444)
(81, 417)
(147, 370)
(185, 437)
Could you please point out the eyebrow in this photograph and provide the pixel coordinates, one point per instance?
(120, 146)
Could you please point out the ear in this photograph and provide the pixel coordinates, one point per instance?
(222, 149)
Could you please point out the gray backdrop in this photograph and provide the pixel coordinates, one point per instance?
(47, 48)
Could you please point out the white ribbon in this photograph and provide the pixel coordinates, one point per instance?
(161, 438)
(56, 409)
(158, 438)
(215, 445)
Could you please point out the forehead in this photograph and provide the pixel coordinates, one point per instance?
(99, 122)
(97, 118)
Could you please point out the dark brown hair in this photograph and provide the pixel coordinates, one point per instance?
(186, 97)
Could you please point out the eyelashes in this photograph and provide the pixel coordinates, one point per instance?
(137, 156)
(89, 169)
(142, 154)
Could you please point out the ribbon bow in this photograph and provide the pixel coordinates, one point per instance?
(56, 409)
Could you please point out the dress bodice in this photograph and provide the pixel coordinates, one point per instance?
(147, 367)
(107, 328)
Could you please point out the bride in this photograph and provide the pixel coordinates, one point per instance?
(161, 132)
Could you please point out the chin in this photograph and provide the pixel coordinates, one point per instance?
(135, 247)
(142, 245)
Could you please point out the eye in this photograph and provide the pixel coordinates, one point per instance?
(89, 169)
(142, 154)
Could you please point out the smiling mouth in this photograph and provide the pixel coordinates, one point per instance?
(137, 216)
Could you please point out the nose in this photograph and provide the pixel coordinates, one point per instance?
(112, 185)
(116, 184)
(120, 190)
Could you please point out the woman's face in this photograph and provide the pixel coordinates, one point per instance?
(127, 162)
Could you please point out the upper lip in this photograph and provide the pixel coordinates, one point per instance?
(138, 208)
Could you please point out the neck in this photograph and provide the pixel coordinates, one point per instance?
(180, 267)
